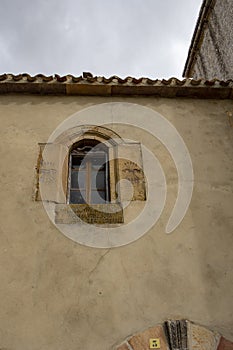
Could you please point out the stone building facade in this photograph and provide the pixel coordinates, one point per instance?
(211, 51)
(67, 287)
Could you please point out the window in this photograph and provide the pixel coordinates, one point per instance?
(88, 173)
(80, 175)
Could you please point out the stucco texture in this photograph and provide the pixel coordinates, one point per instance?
(214, 58)
(58, 294)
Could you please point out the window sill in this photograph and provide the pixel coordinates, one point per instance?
(110, 213)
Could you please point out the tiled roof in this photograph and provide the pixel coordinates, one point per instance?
(114, 86)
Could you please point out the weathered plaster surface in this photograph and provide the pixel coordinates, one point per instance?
(215, 59)
(57, 294)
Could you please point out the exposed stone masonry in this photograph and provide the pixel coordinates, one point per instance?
(91, 214)
(212, 54)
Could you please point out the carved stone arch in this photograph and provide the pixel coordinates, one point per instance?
(99, 133)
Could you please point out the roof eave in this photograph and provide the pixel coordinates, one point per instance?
(114, 86)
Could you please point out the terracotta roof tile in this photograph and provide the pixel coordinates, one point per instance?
(3, 77)
(61, 79)
(195, 82)
(225, 83)
(76, 79)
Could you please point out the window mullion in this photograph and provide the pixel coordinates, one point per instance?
(69, 178)
(106, 178)
(88, 182)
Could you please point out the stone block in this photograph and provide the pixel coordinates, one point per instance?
(225, 344)
(141, 341)
(123, 346)
(131, 169)
(110, 213)
(201, 338)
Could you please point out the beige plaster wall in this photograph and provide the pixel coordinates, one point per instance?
(58, 294)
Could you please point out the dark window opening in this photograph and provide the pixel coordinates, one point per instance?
(89, 173)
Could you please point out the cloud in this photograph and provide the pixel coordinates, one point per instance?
(121, 37)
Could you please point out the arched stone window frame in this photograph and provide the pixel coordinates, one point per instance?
(101, 134)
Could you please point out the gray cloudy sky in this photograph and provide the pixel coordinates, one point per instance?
(106, 37)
